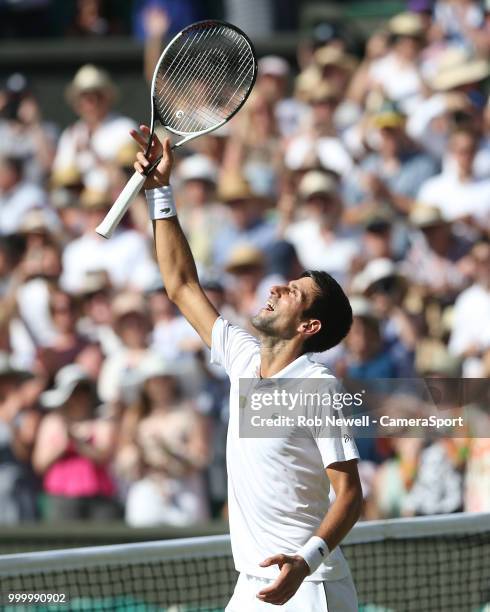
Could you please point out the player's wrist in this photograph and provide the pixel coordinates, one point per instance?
(161, 204)
(314, 552)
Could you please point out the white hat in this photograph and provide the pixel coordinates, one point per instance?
(8, 367)
(65, 382)
(375, 270)
(198, 167)
(362, 307)
(90, 78)
(154, 366)
(457, 67)
(273, 65)
(316, 181)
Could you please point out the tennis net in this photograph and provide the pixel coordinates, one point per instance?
(426, 564)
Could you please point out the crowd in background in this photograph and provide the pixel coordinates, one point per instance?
(375, 169)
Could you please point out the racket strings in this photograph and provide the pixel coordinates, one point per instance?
(203, 79)
(196, 92)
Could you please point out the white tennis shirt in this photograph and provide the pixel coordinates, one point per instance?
(277, 487)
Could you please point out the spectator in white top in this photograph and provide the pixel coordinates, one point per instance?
(99, 134)
(456, 191)
(318, 143)
(470, 337)
(16, 196)
(126, 256)
(317, 234)
(397, 74)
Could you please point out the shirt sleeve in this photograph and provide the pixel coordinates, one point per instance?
(232, 347)
(335, 443)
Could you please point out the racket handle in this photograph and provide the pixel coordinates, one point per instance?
(121, 205)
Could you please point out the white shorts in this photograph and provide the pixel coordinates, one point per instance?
(328, 596)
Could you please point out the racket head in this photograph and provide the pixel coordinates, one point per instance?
(203, 77)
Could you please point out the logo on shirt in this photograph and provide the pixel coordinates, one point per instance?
(164, 210)
(320, 550)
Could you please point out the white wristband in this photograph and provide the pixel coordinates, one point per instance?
(314, 552)
(161, 203)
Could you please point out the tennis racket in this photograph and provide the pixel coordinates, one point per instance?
(202, 78)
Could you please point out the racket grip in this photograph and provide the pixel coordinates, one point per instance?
(121, 205)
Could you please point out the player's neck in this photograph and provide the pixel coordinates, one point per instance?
(276, 354)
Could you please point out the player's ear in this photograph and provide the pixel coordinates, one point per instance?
(310, 327)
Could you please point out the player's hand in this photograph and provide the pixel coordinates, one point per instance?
(161, 174)
(294, 570)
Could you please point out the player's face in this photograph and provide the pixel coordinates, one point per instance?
(282, 314)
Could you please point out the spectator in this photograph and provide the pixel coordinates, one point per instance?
(317, 235)
(23, 133)
(392, 174)
(16, 196)
(66, 344)
(19, 421)
(97, 136)
(126, 257)
(92, 19)
(249, 223)
(456, 191)
(366, 356)
(201, 215)
(436, 259)
(163, 452)
(73, 451)
(131, 323)
(397, 74)
(470, 336)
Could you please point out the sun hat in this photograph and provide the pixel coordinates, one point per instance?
(376, 270)
(244, 255)
(457, 67)
(198, 168)
(273, 65)
(316, 181)
(90, 78)
(423, 215)
(65, 382)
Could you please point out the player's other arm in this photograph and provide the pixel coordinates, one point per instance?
(174, 256)
(336, 524)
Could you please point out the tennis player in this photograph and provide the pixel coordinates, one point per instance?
(284, 535)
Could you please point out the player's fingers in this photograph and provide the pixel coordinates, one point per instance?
(275, 559)
(138, 167)
(139, 138)
(142, 159)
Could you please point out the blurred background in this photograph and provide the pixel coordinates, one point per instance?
(364, 151)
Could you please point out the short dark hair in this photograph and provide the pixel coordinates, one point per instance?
(332, 308)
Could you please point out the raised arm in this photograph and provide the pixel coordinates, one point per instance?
(174, 256)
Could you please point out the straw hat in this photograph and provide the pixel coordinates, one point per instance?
(90, 78)
(323, 91)
(423, 215)
(456, 67)
(244, 255)
(333, 56)
(406, 24)
(128, 303)
(65, 382)
(306, 82)
(235, 187)
(66, 176)
(316, 181)
(126, 155)
(93, 199)
(36, 220)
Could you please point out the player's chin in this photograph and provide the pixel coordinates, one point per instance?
(262, 319)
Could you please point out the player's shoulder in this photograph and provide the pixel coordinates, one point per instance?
(315, 369)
